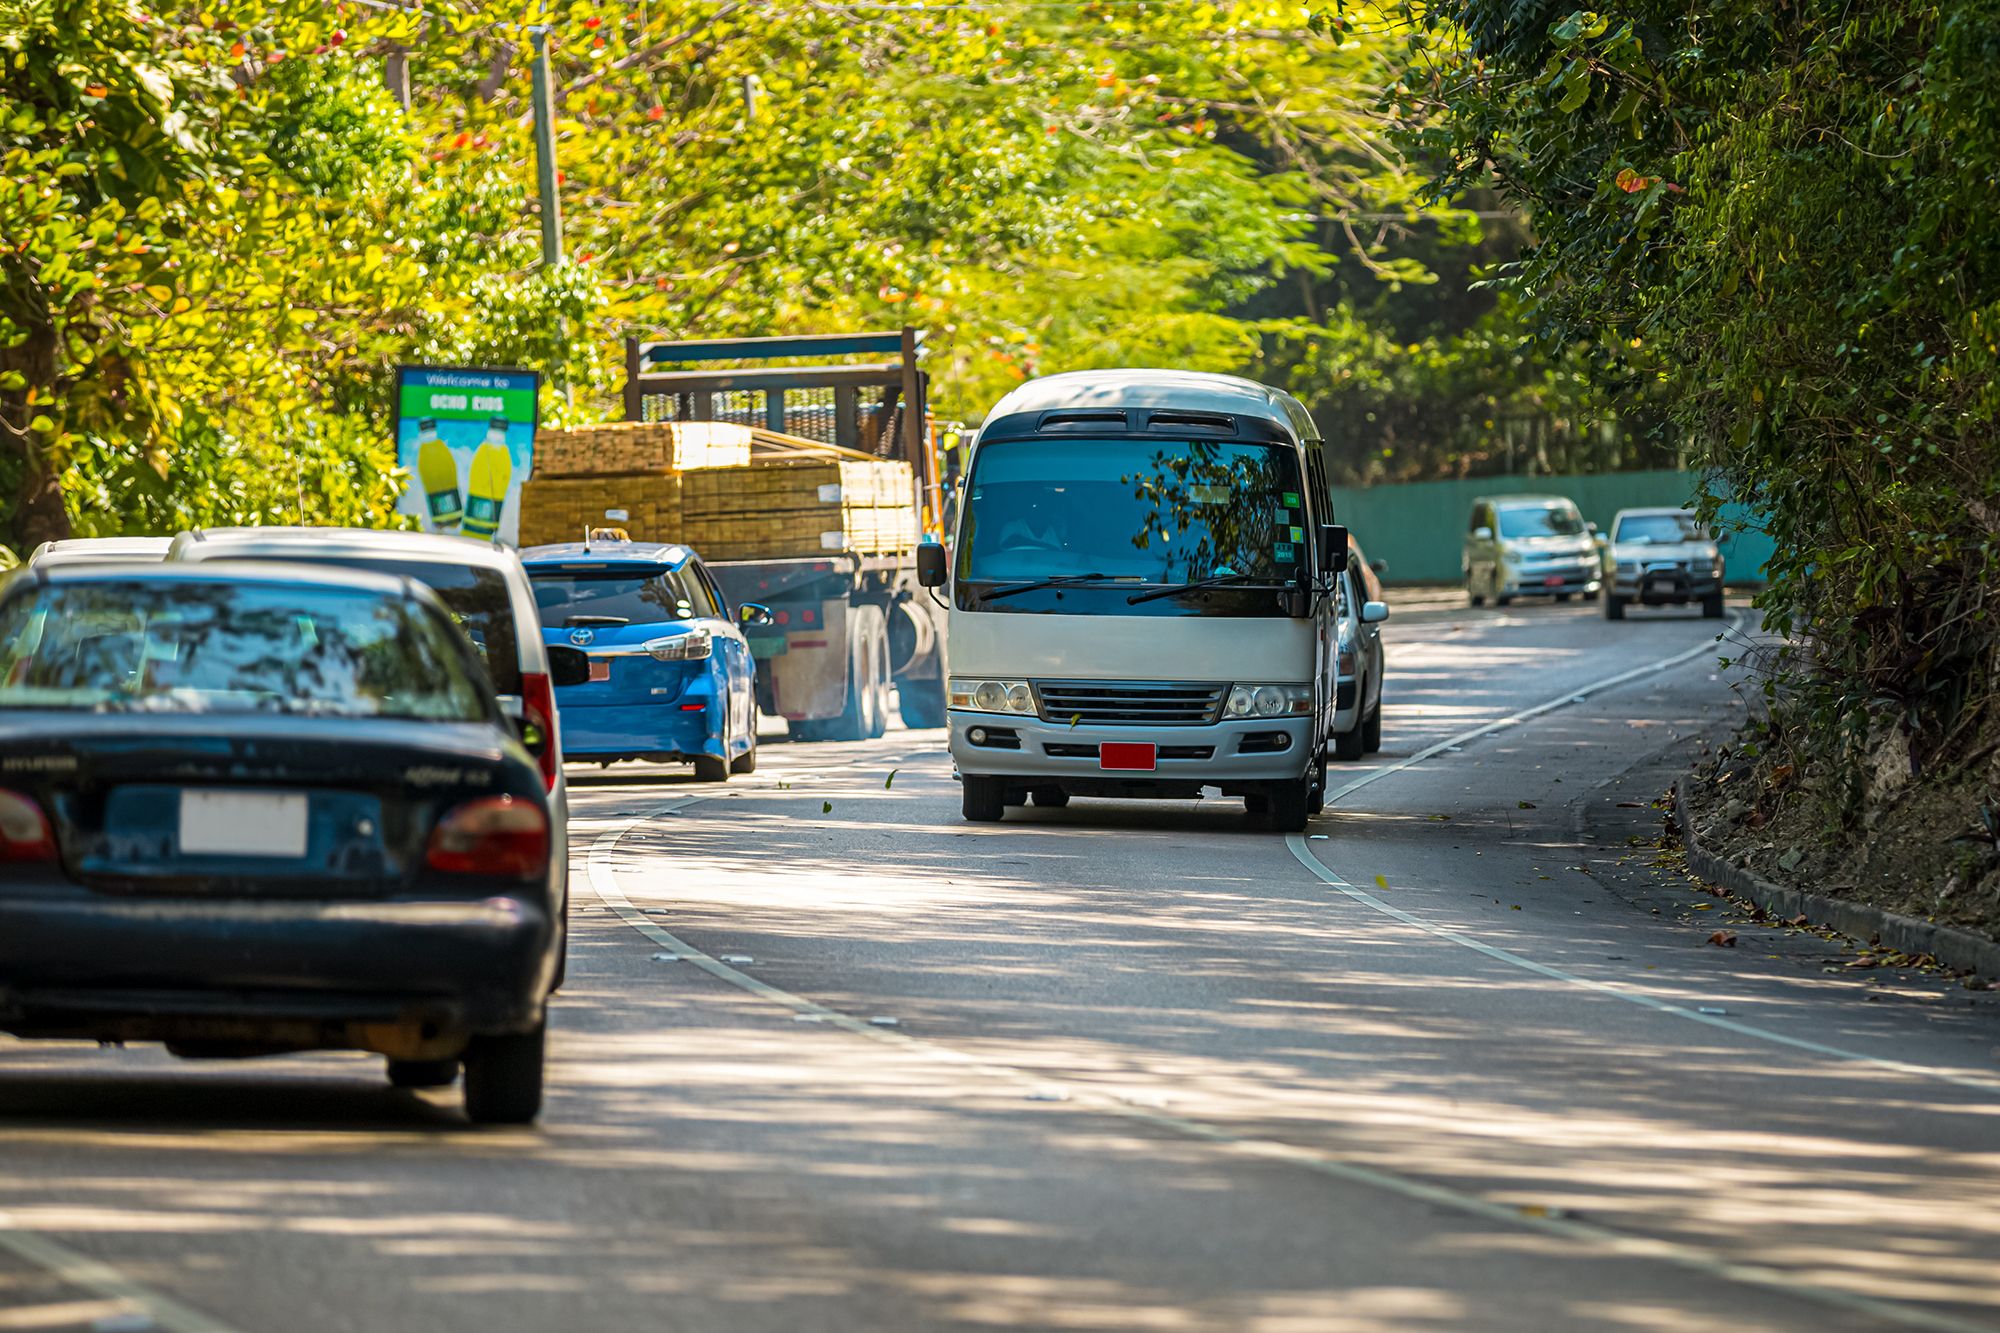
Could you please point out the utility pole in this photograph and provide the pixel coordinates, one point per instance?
(545, 153)
(396, 75)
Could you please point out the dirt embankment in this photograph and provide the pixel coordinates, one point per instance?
(1923, 844)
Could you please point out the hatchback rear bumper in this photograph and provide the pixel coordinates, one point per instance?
(631, 731)
(81, 964)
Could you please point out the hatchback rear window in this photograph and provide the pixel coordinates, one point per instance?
(211, 647)
(566, 599)
(477, 599)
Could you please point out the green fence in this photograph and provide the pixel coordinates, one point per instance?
(1418, 528)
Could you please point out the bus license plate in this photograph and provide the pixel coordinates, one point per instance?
(1552, 581)
(1129, 756)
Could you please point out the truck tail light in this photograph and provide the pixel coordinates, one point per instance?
(503, 836)
(538, 729)
(24, 830)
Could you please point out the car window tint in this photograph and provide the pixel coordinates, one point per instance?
(196, 646)
(476, 597)
(565, 598)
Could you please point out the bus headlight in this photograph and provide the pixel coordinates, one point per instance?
(1268, 701)
(992, 696)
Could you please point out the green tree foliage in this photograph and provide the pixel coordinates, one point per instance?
(224, 231)
(1789, 212)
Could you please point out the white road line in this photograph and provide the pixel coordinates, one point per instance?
(1515, 719)
(94, 1275)
(604, 880)
(1640, 998)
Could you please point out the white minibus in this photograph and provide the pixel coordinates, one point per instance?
(1142, 596)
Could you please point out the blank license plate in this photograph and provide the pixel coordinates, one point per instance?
(233, 823)
(1139, 756)
(600, 668)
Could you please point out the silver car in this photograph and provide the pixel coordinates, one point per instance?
(1528, 546)
(1661, 557)
(1357, 718)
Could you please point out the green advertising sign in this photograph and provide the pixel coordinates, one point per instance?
(466, 439)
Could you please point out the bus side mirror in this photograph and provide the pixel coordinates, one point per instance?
(930, 564)
(1332, 548)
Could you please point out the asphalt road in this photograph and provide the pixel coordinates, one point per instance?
(1461, 1057)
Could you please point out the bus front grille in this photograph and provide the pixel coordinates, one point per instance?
(1128, 703)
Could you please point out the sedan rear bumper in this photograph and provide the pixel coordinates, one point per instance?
(80, 964)
(631, 731)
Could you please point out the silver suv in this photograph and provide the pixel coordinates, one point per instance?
(1528, 546)
(1661, 557)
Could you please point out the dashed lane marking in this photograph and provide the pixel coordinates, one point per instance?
(604, 882)
(96, 1276)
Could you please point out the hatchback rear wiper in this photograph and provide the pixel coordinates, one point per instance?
(571, 621)
(1220, 581)
(1056, 581)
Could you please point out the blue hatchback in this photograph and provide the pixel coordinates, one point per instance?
(671, 677)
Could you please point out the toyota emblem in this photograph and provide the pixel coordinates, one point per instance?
(580, 637)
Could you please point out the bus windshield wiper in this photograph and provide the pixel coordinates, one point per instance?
(1056, 581)
(1219, 581)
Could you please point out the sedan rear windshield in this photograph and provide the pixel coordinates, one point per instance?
(212, 647)
(477, 599)
(1541, 521)
(566, 599)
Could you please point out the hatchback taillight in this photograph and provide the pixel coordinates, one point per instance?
(24, 830)
(497, 835)
(538, 732)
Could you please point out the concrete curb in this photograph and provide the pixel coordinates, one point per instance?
(1951, 946)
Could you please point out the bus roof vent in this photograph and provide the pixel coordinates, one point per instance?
(1215, 422)
(1097, 420)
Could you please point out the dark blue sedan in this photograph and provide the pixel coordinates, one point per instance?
(671, 676)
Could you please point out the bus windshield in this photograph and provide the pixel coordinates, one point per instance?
(1151, 511)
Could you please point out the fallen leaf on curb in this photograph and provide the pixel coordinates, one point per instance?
(1631, 805)
(890, 781)
(1442, 819)
(1074, 718)
(1381, 881)
(1974, 983)
(1524, 805)
(1723, 939)
(1799, 920)
(826, 807)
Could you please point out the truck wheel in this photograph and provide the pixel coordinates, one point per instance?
(867, 675)
(1614, 607)
(1371, 729)
(1711, 607)
(984, 800)
(922, 702)
(503, 1078)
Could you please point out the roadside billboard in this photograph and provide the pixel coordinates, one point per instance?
(466, 438)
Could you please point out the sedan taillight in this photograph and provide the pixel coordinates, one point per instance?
(538, 731)
(24, 830)
(503, 836)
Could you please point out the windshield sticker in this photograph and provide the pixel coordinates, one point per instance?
(1284, 517)
(1298, 534)
(1292, 499)
(1283, 552)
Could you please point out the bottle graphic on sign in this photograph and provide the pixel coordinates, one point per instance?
(438, 471)
(492, 472)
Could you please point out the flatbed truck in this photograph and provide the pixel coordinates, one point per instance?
(846, 625)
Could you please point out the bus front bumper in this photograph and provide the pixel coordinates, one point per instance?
(1219, 754)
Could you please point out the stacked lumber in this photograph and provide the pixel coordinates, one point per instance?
(731, 492)
(562, 509)
(799, 507)
(619, 447)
